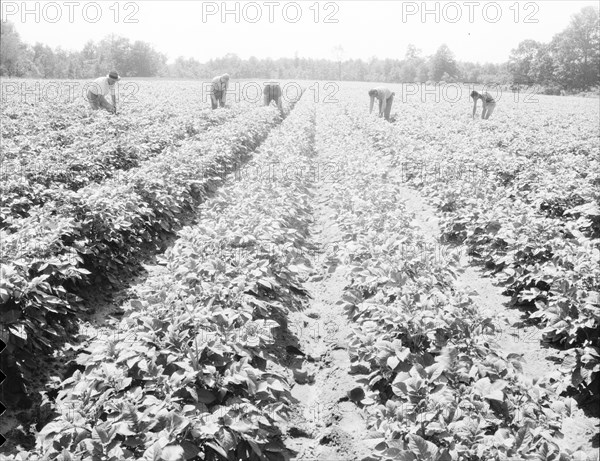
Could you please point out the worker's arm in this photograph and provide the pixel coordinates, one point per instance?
(114, 102)
(474, 107)
(372, 101)
(483, 108)
(224, 92)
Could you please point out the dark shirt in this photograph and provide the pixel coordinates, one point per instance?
(383, 93)
(487, 97)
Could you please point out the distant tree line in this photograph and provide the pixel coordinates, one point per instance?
(131, 59)
(571, 61)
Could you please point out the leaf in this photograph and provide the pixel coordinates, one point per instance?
(153, 452)
(241, 426)
(277, 385)
(403, 455)
(435, 371)
(588, 209)
(173, 453)
(226, 440)
(205, 396)
(523, 438)
(495, 390)
(65, 456)
(421, 446)
(393, 362)
(53, 428)
(593, 297)
(19, 331)
(101, 434)
(216, 447)
(136, 303)
(356, 394)
(4, 295)
(489, 390)
(123, 429)
(495, 395)
(255, 447)
(10, 316)
(266, 283)
(190, 450)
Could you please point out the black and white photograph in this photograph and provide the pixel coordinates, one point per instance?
(311, 230)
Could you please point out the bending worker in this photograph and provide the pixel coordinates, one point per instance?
(488, 102)
(385, 97)
(272, 92)
(219, 90)
(100, 88)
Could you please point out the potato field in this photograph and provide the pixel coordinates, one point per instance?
(313, 284)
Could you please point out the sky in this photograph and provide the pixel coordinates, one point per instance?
(476, 31)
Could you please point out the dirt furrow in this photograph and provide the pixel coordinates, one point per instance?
(104, 307)
(327, 424)
(512, 335)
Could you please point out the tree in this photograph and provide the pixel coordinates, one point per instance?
(422, 72)
(144, 61)
(11, 50)
(576, 51)
(90, 60)
(542, 70)
(44, 60)
(113, 53)
(62, 58)
(443, 61)
(571, 60)
(470, 72)
(338, 56)
(407, 72)
(523, 59)
(412, 52)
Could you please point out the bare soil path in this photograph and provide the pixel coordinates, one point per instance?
(512, 334)
(103, 308)
(327, 425)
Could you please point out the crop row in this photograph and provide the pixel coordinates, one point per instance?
(46, 125)
(30, 131)
(90, 133)
(437, 387)
(31, 180)
(41, 122)
(99, 231)
(197, 374)
(532, 220)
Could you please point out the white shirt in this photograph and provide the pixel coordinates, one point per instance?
(101, 87)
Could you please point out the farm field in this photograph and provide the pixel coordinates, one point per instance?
(185, 284)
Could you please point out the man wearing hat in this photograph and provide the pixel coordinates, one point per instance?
(99, 88)
(218, 90)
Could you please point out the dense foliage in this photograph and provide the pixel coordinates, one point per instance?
(55, 242)
(194, 376)
(195, 369)
(524, 198)
(438, 388)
